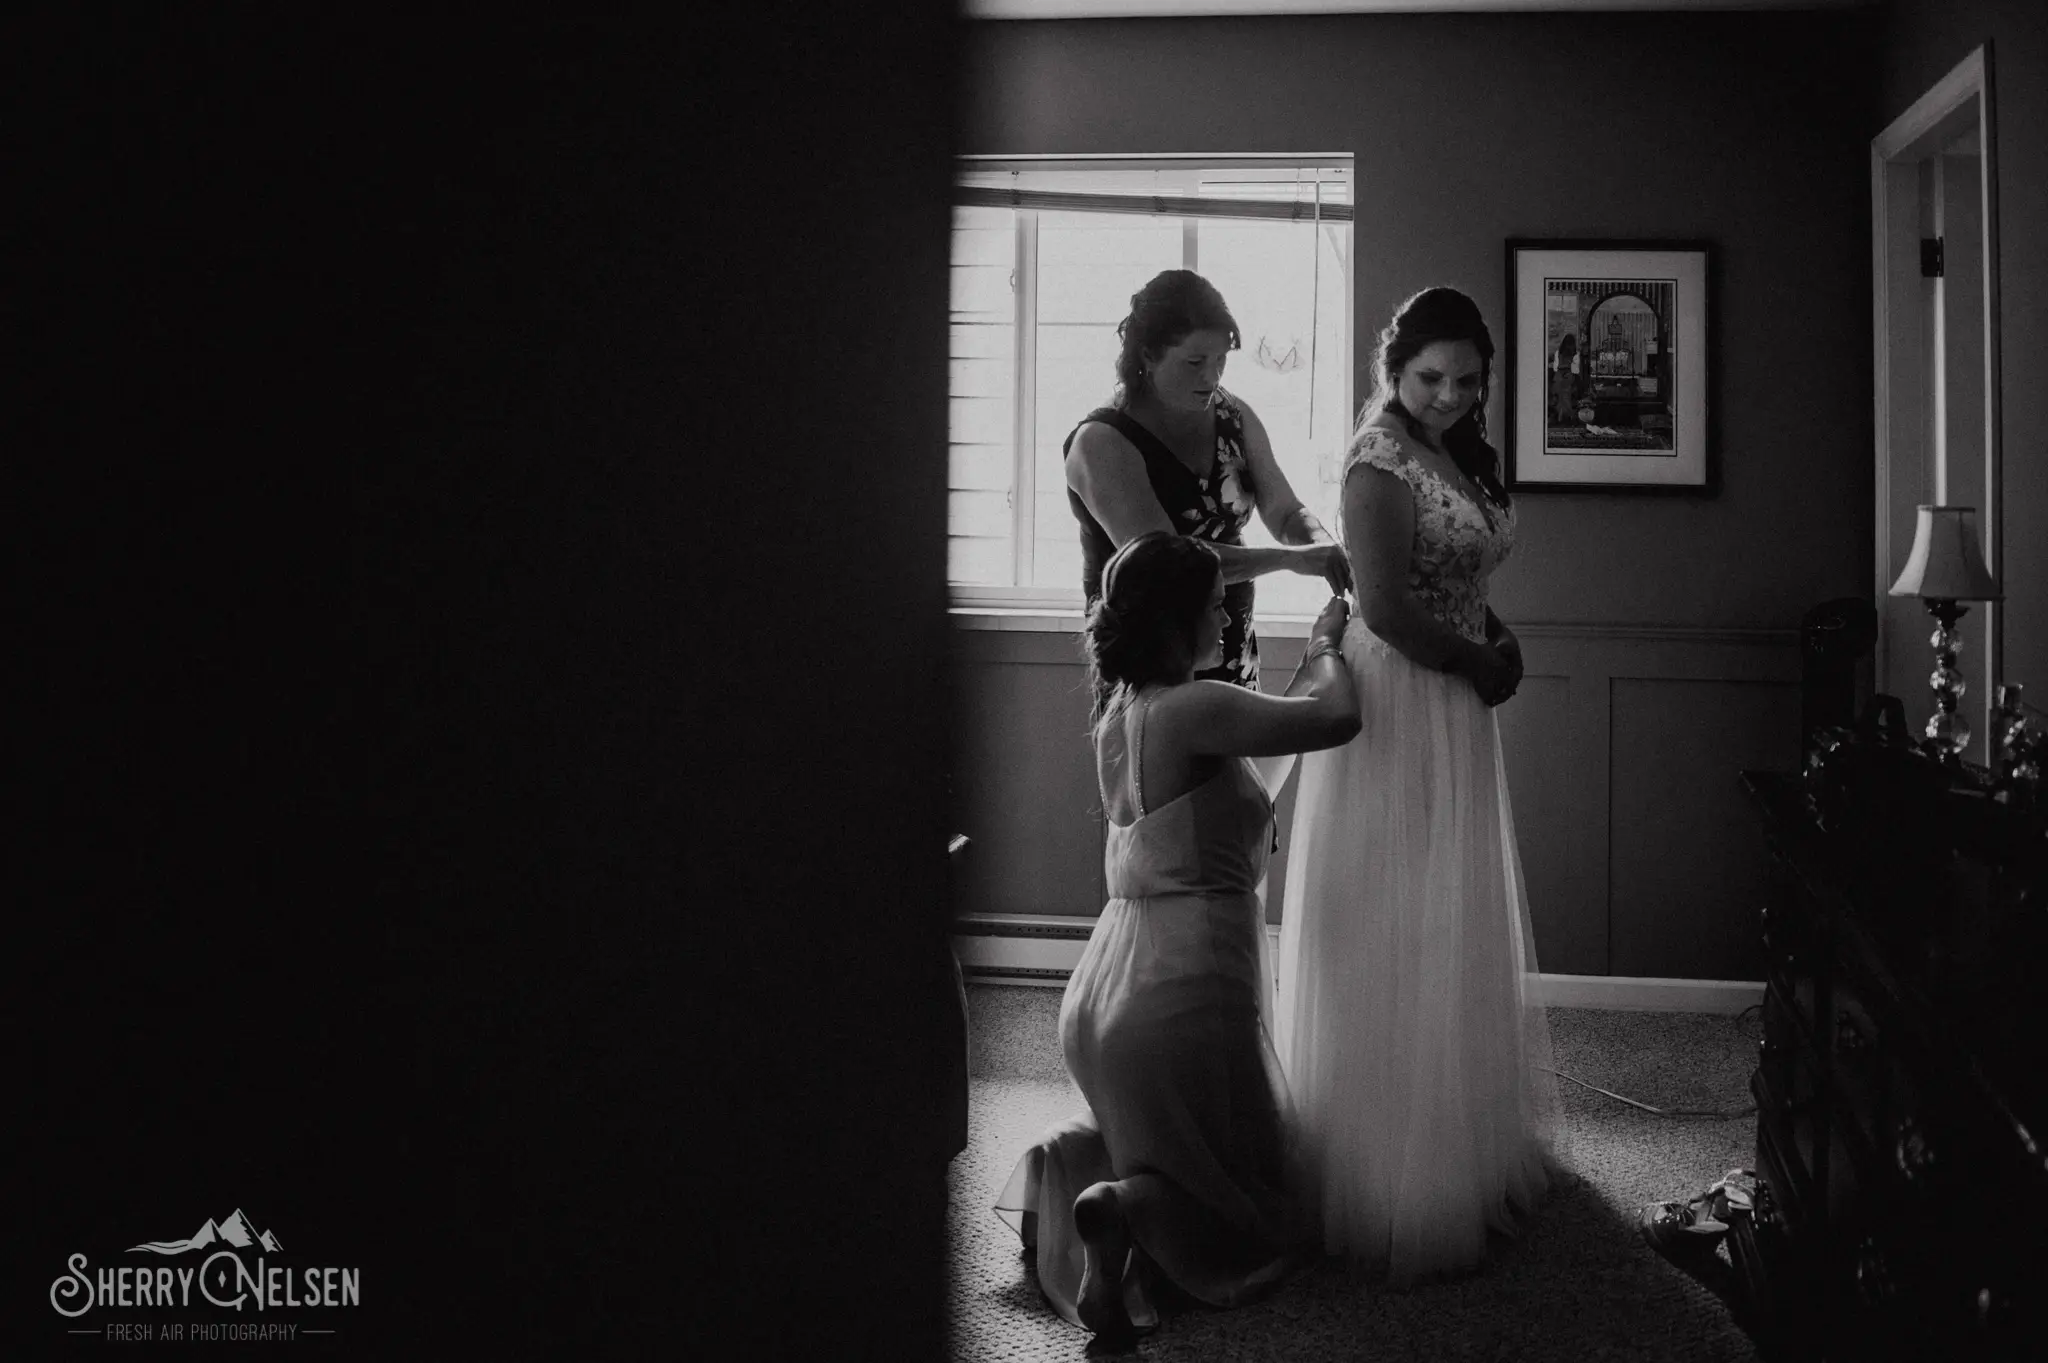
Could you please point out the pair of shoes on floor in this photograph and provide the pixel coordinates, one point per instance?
(1696, 1225)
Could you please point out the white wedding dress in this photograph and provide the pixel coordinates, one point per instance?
(1407, 1018)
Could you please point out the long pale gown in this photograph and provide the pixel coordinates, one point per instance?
(1408, 1023)
(1164, 1027)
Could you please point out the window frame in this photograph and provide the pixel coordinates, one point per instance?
(1014, 606)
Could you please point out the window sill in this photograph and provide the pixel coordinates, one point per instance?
(1057, 620)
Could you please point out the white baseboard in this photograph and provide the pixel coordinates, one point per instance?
(1042, 950)
(1649, 994)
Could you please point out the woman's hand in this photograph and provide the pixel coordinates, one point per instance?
(1490, 673)
(1330, 624)
(1326, 561)
(1511, 649)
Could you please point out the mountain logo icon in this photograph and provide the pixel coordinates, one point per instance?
(235, 1230)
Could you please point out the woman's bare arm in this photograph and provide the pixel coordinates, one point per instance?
(1109, 477)
(1217, 719)
(1320, 709)
(1379, 535)
(1280, 509)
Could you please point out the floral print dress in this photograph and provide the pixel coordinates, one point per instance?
(1213, 507)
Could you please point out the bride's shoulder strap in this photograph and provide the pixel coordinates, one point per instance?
(1378, 448)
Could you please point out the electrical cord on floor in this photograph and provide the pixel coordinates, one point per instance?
(1731, 1115)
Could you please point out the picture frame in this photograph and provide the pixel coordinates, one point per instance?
(1608, 366)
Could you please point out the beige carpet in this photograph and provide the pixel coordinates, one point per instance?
(1581, 1286)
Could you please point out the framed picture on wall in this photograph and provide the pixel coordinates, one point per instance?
(1607, 366)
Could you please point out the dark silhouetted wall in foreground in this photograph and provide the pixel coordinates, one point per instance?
(485, 497)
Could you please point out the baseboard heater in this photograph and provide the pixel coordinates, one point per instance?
(1042, 949)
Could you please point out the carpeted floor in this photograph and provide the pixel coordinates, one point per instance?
(1581, 1286)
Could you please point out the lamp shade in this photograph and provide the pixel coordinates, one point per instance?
(1946, 564)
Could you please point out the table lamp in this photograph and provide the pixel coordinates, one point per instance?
(1946, 569)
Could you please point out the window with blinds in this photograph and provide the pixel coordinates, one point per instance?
(1046, 256)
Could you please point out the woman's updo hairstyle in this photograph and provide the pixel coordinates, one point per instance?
(1155, 591)
(1441, 314)
(1175, 304)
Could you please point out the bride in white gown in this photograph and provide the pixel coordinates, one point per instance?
(1407, 1020)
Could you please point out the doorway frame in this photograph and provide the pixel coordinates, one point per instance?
(1896, 152)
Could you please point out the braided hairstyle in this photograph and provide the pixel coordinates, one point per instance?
(1171, 307)
(1155, 591)
(1440, 314)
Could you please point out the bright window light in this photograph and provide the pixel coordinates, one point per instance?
(1046, 256)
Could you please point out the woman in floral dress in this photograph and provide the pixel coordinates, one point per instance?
(1174, 451)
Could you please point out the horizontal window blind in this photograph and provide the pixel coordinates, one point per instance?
(1047, 252)
(1177, 206)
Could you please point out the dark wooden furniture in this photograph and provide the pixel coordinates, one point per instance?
(1902, 1134)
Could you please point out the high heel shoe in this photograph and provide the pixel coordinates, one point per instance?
(1696, 1226)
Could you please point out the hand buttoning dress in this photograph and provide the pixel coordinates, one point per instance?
(1408, 1026)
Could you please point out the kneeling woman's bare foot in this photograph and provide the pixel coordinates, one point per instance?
(1106, 1245)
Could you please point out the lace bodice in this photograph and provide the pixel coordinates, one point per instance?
(1457, 543)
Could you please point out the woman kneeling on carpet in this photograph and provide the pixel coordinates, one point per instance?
(1181, 1174)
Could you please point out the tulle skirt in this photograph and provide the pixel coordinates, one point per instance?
(1407, 1020)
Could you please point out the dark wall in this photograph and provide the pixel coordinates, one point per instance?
(1750, 130)
(1922, 42)
(487, 499)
